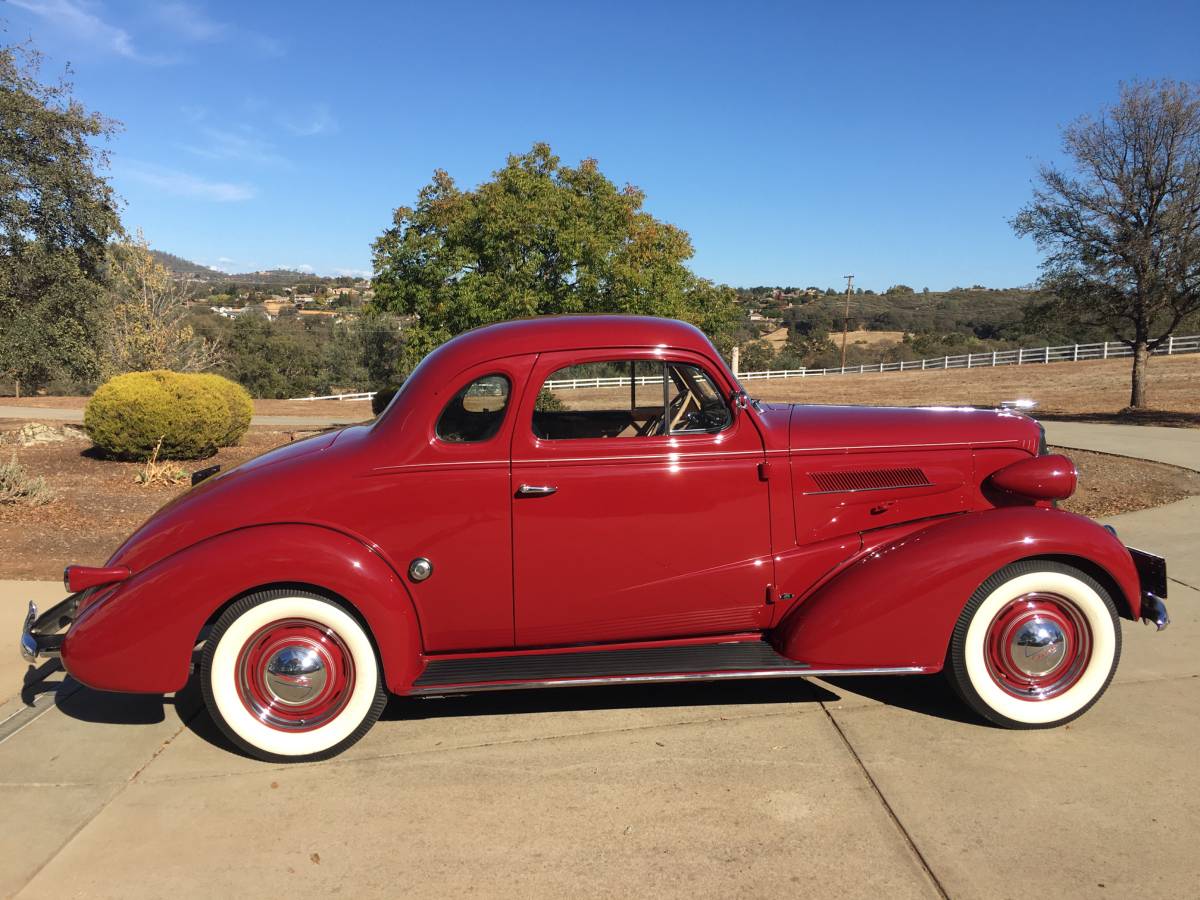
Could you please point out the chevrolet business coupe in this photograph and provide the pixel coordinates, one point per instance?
(595, 500)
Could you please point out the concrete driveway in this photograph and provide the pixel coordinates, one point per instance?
(867, 787)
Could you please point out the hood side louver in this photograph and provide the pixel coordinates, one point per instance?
(868, 480)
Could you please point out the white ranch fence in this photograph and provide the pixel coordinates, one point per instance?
(1022, 357)
(1025, 356)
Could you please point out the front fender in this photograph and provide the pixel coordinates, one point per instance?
(898, 604)
(140, 637)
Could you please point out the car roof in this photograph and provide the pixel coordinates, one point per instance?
(549, 333)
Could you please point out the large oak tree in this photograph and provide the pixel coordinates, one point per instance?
(1121, 228)
(57, 215)
(539, 238)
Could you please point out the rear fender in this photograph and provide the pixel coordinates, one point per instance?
(898, 604)
(140, 637)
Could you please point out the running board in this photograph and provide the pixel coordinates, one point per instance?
(702, 662)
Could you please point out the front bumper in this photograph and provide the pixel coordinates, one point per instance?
(1152, 574)
(42, 636)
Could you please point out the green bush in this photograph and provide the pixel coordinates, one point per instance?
(237, 399)
(382, 398)
(129, 414)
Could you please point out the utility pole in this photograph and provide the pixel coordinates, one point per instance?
(846, 317)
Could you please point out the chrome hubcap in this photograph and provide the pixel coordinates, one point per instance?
(295, 675)
(1038, 647)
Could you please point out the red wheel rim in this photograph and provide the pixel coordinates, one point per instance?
(295, 675)
(1038, 646)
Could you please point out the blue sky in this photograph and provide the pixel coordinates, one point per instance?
(795, 142)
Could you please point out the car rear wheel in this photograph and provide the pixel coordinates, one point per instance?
(289, 676)
(1036, 646)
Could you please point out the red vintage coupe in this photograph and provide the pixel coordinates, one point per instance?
(595, 500)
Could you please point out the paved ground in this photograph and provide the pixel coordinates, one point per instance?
(1177, 446)
(867, 787)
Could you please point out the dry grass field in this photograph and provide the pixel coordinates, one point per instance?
(779, 336)
(1079, 390)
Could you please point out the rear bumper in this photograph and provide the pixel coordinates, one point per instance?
(1152, 575)
(42, 635)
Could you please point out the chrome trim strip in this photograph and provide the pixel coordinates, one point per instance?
(644, 679)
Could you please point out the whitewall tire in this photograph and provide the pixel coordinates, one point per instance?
(291, 676)
(1037, 644)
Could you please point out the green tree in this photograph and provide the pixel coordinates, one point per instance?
(1121, 232)
(146, 317)
(756, 356)
(57, 215)
(540, 238)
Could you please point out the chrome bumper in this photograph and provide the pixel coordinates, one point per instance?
(42, 636)
(1154, 611)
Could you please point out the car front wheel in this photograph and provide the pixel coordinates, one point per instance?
(1036, 645)
(291, 677)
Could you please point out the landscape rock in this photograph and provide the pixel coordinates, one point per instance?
(32, 433)
(75, 433)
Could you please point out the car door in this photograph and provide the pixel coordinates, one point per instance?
(637, 512)
(448, 501)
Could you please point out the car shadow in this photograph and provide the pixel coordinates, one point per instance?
(109, 708)
(927, 695)
(585, 699)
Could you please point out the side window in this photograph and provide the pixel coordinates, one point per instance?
(628, 399)
(475, 413)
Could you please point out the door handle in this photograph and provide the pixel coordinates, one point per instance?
(536, 490)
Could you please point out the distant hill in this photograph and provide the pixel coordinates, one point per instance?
(986, 312)
(177, 265)
(270, 278)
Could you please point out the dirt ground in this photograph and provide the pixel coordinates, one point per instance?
(1087, 391)
(99, 504)
(1109, 485)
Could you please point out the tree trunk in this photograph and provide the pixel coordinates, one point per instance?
(1141, 357)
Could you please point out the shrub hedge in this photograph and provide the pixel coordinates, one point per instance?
(237, 398)
(192, 414)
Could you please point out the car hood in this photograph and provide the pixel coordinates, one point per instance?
(829, 429)
(261, 490)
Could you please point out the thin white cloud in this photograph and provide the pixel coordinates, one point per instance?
(243, 147)
(184, 184)
(354, 273)
(78, 19)
(318, 120)
(189, 21)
